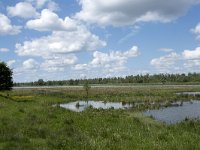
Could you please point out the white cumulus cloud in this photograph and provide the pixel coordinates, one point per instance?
(30, 64)
(191, 54)
(40, 4)
(192, 58)
(58, 62)
(60, 42)
(187, 59)
(6, 28)
(114, 56)
(22, 9)
(192, 63)
(49, 21)
(81, 67)
(127, 12)
(196, 30)
(10, 62)
(111, 62)
(57, 49)
(165, 62)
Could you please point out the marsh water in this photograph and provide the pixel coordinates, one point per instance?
(188, 93)
(178, 113)
(80, 106)
(170, 114)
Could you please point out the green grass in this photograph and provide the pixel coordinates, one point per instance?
(28, 121)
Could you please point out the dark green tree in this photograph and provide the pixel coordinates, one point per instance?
(40, 82)
(6, 82)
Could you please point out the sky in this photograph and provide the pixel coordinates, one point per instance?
(73, 39)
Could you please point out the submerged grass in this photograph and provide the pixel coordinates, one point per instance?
(37, 125)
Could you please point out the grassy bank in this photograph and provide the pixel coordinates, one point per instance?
(28, 120)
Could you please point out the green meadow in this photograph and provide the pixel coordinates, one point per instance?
(30, 120)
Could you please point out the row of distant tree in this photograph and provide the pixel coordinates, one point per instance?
(193, 78)
(6, 82)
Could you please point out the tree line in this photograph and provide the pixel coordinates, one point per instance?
(190, 78)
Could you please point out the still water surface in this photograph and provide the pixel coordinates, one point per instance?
(188, 93)
(80, 106)
(175, 114)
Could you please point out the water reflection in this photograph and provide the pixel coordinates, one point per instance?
(174, 114)
(80, 106)
(188, 93)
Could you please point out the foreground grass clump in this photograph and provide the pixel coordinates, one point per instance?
(37, 125)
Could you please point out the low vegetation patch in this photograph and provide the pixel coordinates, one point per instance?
(23, 98)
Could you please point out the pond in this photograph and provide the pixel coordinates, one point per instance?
(80, 106)
(188, 93)
(176, 113)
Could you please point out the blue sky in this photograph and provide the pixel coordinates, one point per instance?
(56, 40)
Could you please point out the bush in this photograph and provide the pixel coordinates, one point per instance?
(87, 87)
(6, 82)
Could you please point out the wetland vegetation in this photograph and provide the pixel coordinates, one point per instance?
(28, 119)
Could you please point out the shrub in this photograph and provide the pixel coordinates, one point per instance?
(6, 82)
